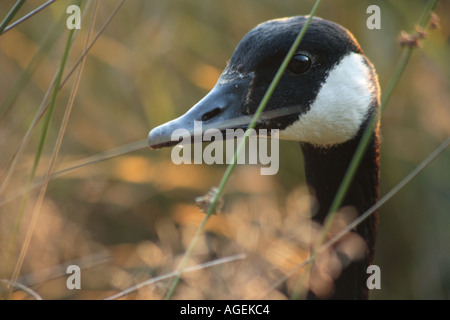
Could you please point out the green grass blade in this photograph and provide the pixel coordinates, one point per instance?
(359, 153)
(11, 15)
(345, 184)
(25, 75)
(27, 16)
(424, 164)
(44, 106)
(41, 147)
(240, 147)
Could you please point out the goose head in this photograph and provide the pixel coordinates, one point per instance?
(325, 97)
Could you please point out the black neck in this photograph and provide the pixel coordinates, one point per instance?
(325, 169)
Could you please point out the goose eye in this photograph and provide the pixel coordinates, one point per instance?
(299, 64)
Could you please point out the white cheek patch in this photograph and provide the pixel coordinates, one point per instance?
(341, 105)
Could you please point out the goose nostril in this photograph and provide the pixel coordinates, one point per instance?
(211, 114)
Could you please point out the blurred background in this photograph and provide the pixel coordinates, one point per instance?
(131, 218)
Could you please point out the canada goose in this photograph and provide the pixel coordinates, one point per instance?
(335, 90)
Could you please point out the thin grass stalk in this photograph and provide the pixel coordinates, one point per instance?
(42, 109)
(68, 109)
(65, 118)
(24, 77)
(46, 44)
(22, 287)
(426, 162)
(359, 153)
(44, 106)
(11, 15)
(10, 170)
(175, 273)
(35, 214)
(11, 166)
(97, 158)
(27, 16)
(99, 33)
(119, 151)
(403, 61)
(49, 40)
(403, 183)
(133, 146)
(239, 149)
